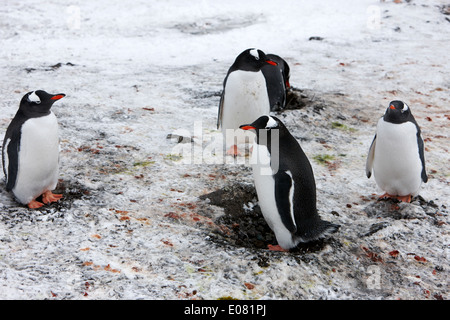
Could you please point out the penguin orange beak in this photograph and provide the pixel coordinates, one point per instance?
(391, 107)
(271, 62)
(247, 127)
(58, 96)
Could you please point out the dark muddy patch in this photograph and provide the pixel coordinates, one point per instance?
(242, 216)
(419, 208)
(297, 98)
(388, 210)
(14, 212)
(70, 192)
(245, 222)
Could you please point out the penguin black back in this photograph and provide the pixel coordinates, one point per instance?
(294, 185)
(292, 158)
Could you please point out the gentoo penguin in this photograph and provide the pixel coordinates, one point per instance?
(277, 79)
(396, 154)
(31, 150)
(285, 185)
(244, 97)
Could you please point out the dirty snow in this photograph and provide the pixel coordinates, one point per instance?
(132, 224)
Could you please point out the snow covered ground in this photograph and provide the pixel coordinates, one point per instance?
(132, 224)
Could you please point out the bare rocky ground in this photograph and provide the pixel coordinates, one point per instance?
(204, 237)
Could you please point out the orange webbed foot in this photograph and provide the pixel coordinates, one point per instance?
(404, 198)
(400, 198)
(385, 196)
(33, 204)
(276, 248)
(233, 151)
(49, 197)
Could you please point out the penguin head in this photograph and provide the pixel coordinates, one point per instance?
(38, 103)
(252, 60)
(264, 126)
(267, 123)
(397, 112)
(284, 68)
(263, 123)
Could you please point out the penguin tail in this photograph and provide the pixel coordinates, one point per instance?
(319, 229)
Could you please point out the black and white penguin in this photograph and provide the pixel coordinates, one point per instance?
(277, 79)
(396, 154)
(30, 151)
(285, 185)
(244, 97)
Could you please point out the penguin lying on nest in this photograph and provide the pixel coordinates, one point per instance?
(285, 185)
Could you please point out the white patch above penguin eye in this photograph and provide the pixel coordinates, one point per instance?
(271, 123)
(254, 52)
(405, 107)
(33, 97)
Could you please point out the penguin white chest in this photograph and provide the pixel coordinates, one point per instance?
(397, 165)
(38, 158)
(265, 188)
(245, 99)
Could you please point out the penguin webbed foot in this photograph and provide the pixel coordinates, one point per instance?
(276, 248)
(407, 198)
(386, 196)
(49, 197)
(233, 151)
(33, 204)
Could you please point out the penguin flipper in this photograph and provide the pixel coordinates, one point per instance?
(222, 101)
(370, 157)
(284, 199)
(422, 157)
(219, 115)
(11, 151)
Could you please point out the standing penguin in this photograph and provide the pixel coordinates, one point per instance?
(244, 97)
(277, 79)
(31, 150)
(396, 154)
(285, 185)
